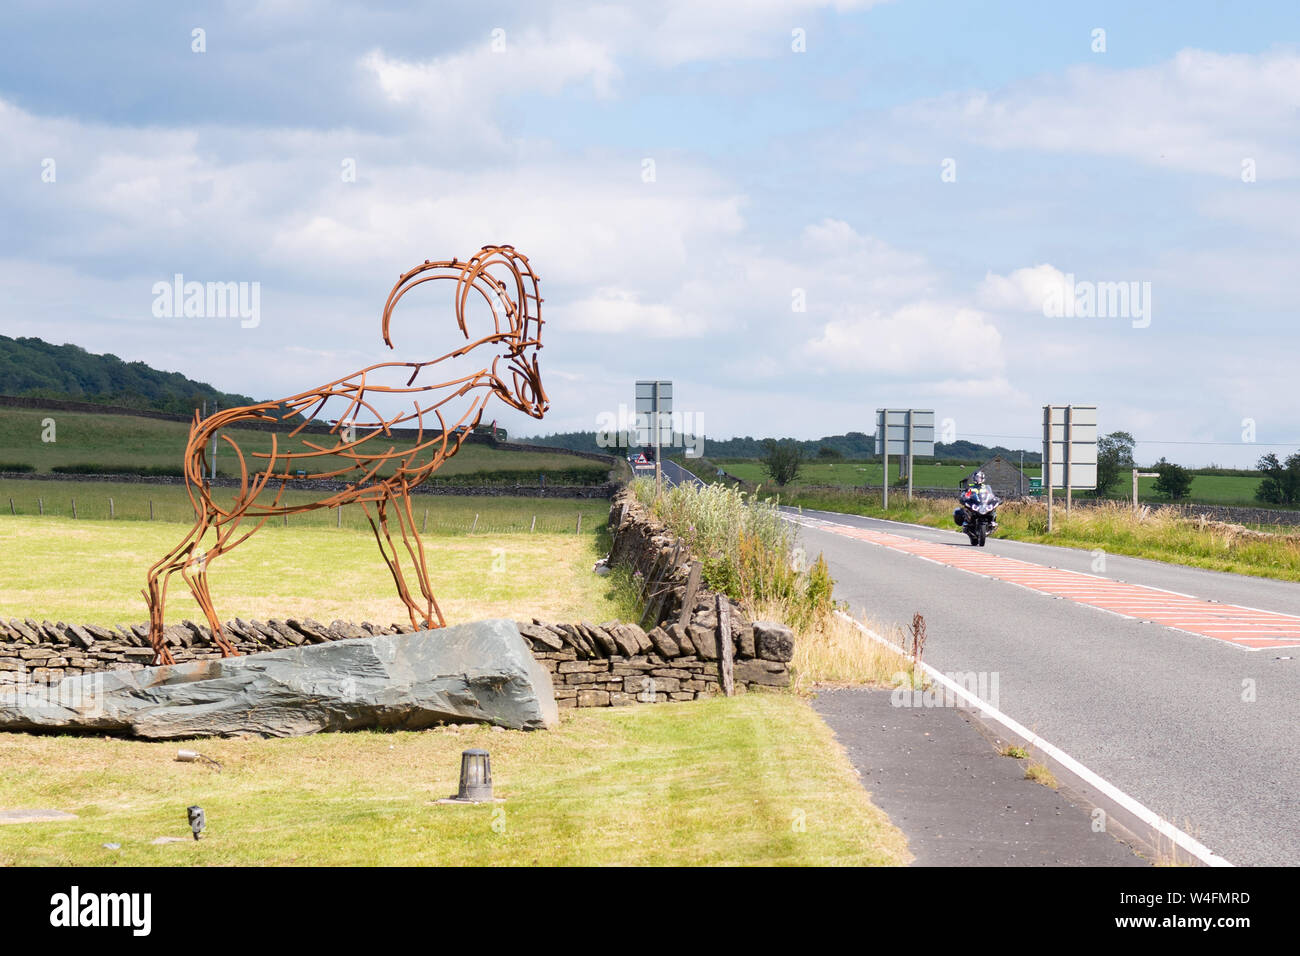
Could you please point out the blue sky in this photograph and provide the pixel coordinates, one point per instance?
(779, 176)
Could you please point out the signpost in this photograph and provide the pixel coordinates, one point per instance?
(1136, 475)
(654, 410)
(1069, 451)
(908, 433)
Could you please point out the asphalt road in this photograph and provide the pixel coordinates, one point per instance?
(1200, 730)
(673, 473)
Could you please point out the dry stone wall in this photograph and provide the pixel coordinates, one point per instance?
(697, 644)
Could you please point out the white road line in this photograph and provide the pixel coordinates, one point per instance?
(1133, 806)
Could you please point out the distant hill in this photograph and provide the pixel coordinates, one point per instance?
(853, 445)
(33, 368)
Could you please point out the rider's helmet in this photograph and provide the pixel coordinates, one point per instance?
(977, 478)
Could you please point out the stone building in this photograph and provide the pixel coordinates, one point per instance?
(1007, 480)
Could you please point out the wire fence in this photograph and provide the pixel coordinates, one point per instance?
(443, 518)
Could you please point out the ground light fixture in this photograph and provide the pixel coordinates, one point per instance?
(475, 779)
(197, 822)
(475, 776)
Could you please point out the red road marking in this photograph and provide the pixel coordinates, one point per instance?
(1243, 626)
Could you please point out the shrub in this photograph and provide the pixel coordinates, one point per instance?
(16, 466)
(781, 460)
(1174, 481)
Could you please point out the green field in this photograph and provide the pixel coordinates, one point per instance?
(846, 473)
(1206, 489)
(91, 570)
(130, 501)
(128, 442)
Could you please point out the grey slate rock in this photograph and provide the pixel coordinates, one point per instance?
(773, 642)
(664, 644)
(599, 638)
(540, 635)
(705, 641)
(682, 636)
(478, 672)
(80, 636)
(345, 630)
(767, 673)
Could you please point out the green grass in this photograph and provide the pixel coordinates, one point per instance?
(127, 442)
(766, 784)
(1160, 535)
(91, 571)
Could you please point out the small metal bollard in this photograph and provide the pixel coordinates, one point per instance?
(197, 822)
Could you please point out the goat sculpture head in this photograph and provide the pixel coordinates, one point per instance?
(502, 278)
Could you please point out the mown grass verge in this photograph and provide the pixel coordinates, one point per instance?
(635, 786)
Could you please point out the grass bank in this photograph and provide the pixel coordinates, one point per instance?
(1163, 535)
(633, 786)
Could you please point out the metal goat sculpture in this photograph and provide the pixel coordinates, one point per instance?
(359, 446)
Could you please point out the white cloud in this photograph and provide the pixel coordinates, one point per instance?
(1199, 111)
(924, 338)
(1024, 290)
(618, 312)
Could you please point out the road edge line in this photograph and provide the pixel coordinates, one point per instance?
(1130, 804)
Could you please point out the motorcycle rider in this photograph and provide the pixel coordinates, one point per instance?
(973, 489)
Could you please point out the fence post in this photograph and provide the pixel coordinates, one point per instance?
(111, 512)
(726, 664)
(40, 503)
(74, 507)
(579, 531)
(688, 599)
(338, 523)
(534, 525)
(11, 507)
(474, 527)
(425, 523)
(150, 509)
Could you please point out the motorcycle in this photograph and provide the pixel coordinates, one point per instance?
(977, 515)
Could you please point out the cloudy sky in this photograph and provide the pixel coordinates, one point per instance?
(796, 211)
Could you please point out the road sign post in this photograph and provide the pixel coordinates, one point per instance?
(654, 400)
(907, 433)
(1069, 451)
(1136, 475)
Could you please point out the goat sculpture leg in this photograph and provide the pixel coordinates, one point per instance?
(198, 584)
(389, 552)
(155, 592)
(431, 613)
